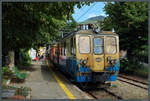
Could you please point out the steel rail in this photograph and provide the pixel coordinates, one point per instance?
(111, 93)
(124, 76)
(132, 84)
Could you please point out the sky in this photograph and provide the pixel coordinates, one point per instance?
(85, 12)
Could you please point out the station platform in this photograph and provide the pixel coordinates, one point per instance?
(47, 83)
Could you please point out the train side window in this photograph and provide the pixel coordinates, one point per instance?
(71, 46)
(61, 49)
(64, 48)
(74, 46)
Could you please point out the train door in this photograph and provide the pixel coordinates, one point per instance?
(111, 49)
(98, 54)
(84, 50)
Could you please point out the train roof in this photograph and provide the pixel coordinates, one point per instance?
(94, 32)
(85, 32)
(90, 31)
(106, 32)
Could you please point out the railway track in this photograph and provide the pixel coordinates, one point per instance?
(109, 93)
(102, 91)
(132, 81)
(122, 78)
(113, 94)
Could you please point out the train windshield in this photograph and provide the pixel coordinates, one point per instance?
(111, 45)
(98, 45)
(84, 44)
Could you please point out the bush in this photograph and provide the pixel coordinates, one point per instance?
(133, 67)
(25, 58)
(6, 72)
(142, 72)
(125, 66)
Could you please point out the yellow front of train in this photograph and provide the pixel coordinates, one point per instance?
(100, 54)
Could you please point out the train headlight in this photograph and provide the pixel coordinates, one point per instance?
(113, 61)
(85, 62)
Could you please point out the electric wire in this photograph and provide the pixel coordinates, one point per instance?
(81, 10)
(86, 11)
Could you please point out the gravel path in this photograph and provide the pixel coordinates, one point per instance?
(128, 91)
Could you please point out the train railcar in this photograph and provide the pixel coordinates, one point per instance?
(88, 56)
(52, 52)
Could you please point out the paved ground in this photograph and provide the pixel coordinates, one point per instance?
(45, 86)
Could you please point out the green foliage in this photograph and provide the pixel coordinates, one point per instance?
(19, 75)
(133, 67)
(105, 24)
(19, 91)
(71, 25)
(6, 72)
(23, 91)
(25, 58)
(27, 25)
(130, 21)
(124, 65)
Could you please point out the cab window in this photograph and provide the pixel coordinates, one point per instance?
(111, 45)
(98, 45)
(84, 44)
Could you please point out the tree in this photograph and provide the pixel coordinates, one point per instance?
(105, 24)
(70, 26)
(130, 21)
(27, 25)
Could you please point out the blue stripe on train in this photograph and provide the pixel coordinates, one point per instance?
(116, 69)
(113, 69)
(84, 78)
(72, 70)
(84, 69)
(112, 78)
(87, 78)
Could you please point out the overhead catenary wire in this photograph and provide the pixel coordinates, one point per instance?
(86, 11)
(81, 10)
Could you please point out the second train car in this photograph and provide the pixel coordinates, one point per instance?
(88, 56)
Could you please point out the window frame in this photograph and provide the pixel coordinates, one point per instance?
(64, 45)
(102, 45)
(113, 45)
(89, 44)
